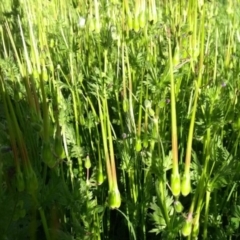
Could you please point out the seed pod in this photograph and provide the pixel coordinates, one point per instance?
(187, 228)
(47, 155)
(145, 142)
(186, 185)
(114, 199)
(125, 105)
(35, 74)
(138, 145)
(100, 177)
(175, 184)
(136, 24)
(44, 74)
(195, 230)
(129, 22)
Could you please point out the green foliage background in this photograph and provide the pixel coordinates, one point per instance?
(91, 94)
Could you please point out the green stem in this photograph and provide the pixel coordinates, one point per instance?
(206, 214)
(175, 178)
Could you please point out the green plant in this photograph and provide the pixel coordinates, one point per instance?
(101, 102)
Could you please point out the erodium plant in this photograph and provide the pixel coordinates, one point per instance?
(119, 119)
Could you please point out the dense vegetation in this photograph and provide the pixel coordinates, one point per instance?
(119, 119)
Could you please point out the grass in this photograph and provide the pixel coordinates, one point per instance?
(119, 120)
